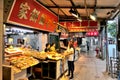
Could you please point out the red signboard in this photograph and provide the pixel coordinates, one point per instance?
(30, 13)
(93, 23)
(83, 26)
(76, 24)
(81, 29)
(85, 23)
(69, 24)
(92, 33)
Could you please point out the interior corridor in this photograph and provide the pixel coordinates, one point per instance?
(89, 67)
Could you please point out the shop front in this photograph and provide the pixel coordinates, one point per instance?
(28, 28)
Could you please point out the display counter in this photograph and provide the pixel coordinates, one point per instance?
(50, 65)
(45, 69)
(8, 73)
(50, 69)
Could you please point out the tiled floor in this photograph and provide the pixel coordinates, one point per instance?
(88, 67)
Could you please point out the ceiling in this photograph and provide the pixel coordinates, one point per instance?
(105, 9)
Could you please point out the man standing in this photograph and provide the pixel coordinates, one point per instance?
(88, 44)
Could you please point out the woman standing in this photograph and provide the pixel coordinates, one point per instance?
(71, 57)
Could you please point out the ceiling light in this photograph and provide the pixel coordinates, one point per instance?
(75, 15)
(73, 12)
(93, 16)
(79, 19)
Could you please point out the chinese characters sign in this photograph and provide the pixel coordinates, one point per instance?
(30, 13)
(23, 10)
(84, 26)
(92, 33)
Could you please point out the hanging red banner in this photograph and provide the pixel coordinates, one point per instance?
(76, 23)
(83, 26)
(81, 30)
(85, 23)
(30, 13)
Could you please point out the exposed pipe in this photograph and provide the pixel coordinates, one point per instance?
(82, 7)
(85, 3)
(73, 6)
(93, 15)
(116, 12)
(95, 5)
(58, 6)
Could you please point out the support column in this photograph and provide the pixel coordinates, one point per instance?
(103, 47)
(104, 44)
(118, 46)
(107, 55)
(118, 37)
(1, 37)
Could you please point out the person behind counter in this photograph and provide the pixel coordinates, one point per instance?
(71, 56)
(47, 49)
(52, 47)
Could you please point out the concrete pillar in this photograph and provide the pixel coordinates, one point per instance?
(107, 54)
(1, 37)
